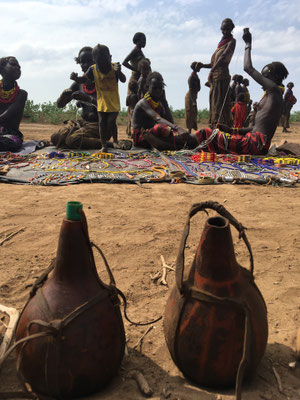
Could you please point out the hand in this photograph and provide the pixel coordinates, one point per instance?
(224, 128)
(247, 37)
(117, 66)
(79, 96)
(74, 76)
(180, 130)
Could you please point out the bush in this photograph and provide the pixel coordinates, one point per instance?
(48, 112)
(295, 117)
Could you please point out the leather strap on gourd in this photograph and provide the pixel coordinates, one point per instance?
(194, 210)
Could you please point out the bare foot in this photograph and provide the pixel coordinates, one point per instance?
(103, 149)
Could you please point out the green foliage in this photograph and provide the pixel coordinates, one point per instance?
(295, 117)
(48, 112)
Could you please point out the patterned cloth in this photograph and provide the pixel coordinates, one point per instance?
(10, 140)
(224, 143)
(239, 110)
(159, 130)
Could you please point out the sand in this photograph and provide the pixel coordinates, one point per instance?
(134, 226)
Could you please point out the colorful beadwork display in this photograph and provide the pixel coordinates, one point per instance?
(64, 168)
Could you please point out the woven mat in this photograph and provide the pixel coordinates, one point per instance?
(51, 167)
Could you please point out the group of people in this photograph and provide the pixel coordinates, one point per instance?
(150, 120)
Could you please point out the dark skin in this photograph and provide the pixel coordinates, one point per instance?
(146, 117)
(76, 92)
(226, 30)
(269, 108)
(136, 52)
(107, 123)
(11, 113)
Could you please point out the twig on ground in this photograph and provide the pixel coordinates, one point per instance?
(155, 277)
(278, 380)
(140, 341)
(13, 319)
(143, 385)
(165, 264)
(162, 280)
(8, 237)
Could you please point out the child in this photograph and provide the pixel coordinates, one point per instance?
(239, 111)
(191, 112)
(12, 103)
(144, 70)
(131, 101)
(105, 74)
(289, 100)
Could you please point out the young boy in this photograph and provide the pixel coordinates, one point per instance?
(12, 103)
(289, 100)
(105, 74)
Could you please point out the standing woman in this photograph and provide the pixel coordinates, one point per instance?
(219, 78)
(131, 62)
(136, 55)
(191, 112)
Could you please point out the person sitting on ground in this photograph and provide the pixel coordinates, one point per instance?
(105, 75)
(191, 112)
(152, 117)
(12, 103)
(131, 100)
(144, 68)
(239, 111)
(251, 140)
(289, 100)
(84, 133)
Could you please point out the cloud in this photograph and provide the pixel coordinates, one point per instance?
(46, 36)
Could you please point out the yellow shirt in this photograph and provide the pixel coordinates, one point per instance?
(108, 99)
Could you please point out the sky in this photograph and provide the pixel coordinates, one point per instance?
(46, 35)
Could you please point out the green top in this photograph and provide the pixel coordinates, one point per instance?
(72, 209)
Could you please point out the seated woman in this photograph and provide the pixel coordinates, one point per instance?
(152, 122)
(12, 103)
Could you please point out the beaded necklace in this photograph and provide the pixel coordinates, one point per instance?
(8, 96)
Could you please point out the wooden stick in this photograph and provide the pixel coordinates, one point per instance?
(155, 277)
(143, 385)
(165, 265)
(139, 342)
(13, 319)
(278, 380)
(8, 237)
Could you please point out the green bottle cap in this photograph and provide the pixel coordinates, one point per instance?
(72, 209)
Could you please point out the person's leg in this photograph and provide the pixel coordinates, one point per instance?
(102, 117)
(10, 143)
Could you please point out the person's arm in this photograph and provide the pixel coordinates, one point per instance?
(119, 74)
(130, 56)
(167, 112)
(15, 107)
(229, 49)
(80, 96)
(66, 96)
(155, 116)
(238, 131)
(267, 83)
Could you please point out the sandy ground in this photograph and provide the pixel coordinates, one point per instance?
(134, 226)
